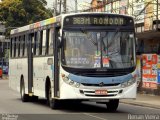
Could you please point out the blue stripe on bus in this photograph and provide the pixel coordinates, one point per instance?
(97, 80)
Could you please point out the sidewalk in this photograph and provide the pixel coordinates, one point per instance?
(146, 100)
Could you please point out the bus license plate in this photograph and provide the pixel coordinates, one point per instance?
(101, 92)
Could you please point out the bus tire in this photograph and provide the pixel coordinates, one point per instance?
(53, 103)
(112, 105)
(34, 98)
(24, 97)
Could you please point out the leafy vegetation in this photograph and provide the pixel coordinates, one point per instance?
(18, 13)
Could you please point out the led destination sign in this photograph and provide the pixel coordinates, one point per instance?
(96, 20)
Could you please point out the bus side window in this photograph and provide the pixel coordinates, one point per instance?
(23, 45)
(19, 44)
(51, 39)
(44, 43)
(47, 41)
(32, 35)
(14, 42)
(40, 42)
(11, 47)
(35, 43)
(26, 45)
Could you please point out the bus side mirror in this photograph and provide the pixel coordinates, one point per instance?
(136, 41)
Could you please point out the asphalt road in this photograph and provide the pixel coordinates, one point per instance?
(12, 108)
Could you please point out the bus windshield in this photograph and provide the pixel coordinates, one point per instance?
(98, 49)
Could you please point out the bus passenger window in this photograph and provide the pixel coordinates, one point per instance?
(14, 42)
(19, 42)
(35, 43)
(26, 45)
(40, 42)
(47, 41)
(11, 50)
(23, 45)
(31, 42)
(17, 46)
(44, 42)
(51, 33)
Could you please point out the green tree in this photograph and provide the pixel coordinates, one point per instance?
(35, 10)
(18, 13)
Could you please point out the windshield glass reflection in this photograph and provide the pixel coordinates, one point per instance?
(88, 49)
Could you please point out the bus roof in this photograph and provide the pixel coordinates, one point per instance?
(36, 25)
(54, 20)
(97, 13)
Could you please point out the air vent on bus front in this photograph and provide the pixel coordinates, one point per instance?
(87, 84)
(105, 74)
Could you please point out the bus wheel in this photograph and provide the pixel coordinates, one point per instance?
(34, 98)
(24, 97)
(112, 105)
(53, 103)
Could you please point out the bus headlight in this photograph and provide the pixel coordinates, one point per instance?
(77, 85)
(70, 82)
(128, 83)
(66, 79)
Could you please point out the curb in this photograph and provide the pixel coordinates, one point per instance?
(141, 104)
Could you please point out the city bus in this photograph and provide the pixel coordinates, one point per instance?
(78, 56)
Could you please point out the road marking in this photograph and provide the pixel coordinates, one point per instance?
(95, 116)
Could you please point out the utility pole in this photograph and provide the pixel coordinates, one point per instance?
(65, 6)
(60, 3)
(55, 4)
(104, 5)
(76, 6)
(55, 7)
(157, 17)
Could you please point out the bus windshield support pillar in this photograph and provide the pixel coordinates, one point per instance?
(56, 63)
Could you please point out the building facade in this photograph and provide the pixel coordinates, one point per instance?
(97, 6)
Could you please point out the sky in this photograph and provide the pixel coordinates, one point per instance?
(71, 3)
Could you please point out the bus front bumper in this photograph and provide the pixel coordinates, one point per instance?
(89, 93)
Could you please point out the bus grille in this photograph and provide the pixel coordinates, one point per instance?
(105, 73)
(105, 85)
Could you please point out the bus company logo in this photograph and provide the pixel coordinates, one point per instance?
(9, 117)
(101, 84)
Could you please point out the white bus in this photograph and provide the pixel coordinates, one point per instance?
(80, 57)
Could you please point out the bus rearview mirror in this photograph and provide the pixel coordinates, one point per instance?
(131, 35)
(136, 41)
